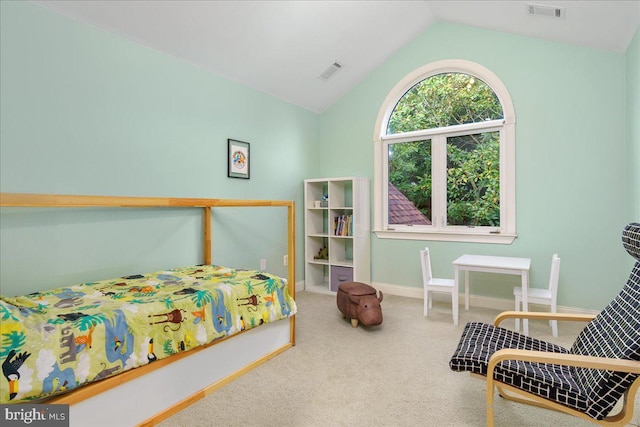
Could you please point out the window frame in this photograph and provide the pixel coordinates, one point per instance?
(506, 233)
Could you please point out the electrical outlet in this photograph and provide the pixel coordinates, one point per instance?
(285, 260)
(263, 264)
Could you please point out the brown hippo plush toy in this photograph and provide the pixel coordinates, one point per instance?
(359, 303)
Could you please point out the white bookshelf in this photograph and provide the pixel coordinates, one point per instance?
(348, 252)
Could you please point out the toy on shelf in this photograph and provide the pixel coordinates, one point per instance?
(323, 253)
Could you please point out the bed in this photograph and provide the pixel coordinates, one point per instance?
(135, 349)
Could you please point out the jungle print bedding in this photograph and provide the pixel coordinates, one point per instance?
(56, 341)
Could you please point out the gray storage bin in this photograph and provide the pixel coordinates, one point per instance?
(340, 275)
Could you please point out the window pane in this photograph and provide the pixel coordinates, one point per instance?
(473, 180)
(444, 100)
(409, 197)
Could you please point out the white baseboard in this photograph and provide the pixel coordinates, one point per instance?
(500, 304)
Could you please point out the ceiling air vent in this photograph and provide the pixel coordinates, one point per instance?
(540, 10)
(330, 71)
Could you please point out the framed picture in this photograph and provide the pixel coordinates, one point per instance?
(238, 159)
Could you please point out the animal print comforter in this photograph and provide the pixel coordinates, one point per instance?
(55, 341)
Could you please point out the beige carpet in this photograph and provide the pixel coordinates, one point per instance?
(396, 374)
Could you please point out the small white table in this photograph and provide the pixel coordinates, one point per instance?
(494, 264)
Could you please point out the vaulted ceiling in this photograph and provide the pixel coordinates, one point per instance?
(282, 47)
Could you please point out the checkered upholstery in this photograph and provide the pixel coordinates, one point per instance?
(614, 333)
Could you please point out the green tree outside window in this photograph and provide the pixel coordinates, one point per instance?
(473, 167)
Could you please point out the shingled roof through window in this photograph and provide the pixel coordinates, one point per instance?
(402, 210)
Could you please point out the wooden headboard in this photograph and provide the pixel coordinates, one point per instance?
(84, 201)
(70, 201)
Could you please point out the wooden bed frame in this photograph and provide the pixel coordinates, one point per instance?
(147, 395)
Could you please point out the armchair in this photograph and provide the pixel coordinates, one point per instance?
(587, 380)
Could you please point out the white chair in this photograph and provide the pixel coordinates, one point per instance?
(432, 284)
(543, 296)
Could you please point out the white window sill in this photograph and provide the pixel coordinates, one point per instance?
(501, 239)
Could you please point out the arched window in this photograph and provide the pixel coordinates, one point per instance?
(445, 156)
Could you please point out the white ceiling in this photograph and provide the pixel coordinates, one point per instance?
(281, 47)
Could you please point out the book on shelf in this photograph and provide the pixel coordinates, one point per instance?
(343, 225)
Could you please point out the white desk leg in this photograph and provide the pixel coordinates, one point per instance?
(466, 290)
(525, 305)
(456, 277)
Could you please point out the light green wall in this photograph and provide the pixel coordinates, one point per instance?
(570, 157)
(86, 112)
(633, 128)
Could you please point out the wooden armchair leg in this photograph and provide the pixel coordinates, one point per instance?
(490, 392)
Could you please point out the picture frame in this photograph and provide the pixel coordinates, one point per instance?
(238, 159)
